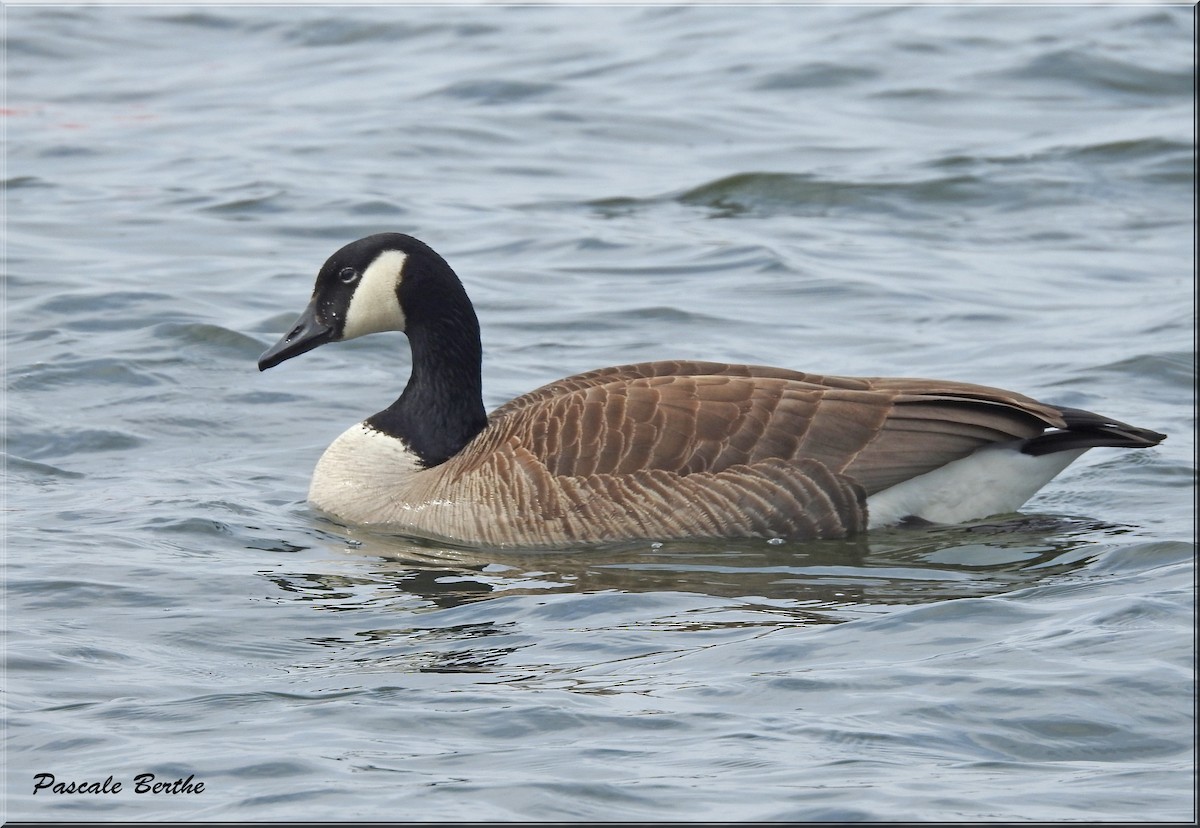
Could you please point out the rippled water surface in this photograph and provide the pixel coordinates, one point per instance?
(1001, 195)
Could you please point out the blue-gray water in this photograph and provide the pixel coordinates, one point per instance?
(1000, 195)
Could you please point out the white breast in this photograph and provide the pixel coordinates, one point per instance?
(362, 474)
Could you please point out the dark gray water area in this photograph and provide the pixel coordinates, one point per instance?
(1001, 195)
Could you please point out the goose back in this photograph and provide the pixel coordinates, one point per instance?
(688, 449)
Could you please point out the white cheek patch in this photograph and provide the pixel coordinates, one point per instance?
(375, 306)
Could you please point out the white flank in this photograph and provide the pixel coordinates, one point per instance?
(375, 306)
(995, 479)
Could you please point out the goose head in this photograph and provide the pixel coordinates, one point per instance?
(393, 282)
(366, 287)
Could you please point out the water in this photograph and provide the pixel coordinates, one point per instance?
(1000, 195)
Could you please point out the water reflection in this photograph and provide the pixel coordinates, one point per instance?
(586, 618)
(817, 582)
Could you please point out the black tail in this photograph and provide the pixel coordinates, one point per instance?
(1087, 430)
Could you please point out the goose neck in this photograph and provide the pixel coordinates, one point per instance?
(441, 408)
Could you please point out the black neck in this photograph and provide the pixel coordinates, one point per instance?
(441, 408)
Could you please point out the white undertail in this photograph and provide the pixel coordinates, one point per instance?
(992, 480)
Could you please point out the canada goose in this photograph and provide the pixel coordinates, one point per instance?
(657, 450)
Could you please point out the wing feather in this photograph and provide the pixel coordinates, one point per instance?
(691, 449)
(666, 416)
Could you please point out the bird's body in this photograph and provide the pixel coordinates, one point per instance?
(658, 450)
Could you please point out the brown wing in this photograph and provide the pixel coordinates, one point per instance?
(678, 449)
(669, 416)
(666, 368)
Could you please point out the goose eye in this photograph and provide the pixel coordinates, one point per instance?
(348, 275)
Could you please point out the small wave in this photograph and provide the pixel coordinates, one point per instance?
(1177, 368)
(495, 91)
(213, 337)
(816, 75)
(92, 310)
(803, 194)
(347, 31)
(81, 372)
(256, 203)
(202, 20)
(764, 194)
(1105, 74)
(33, 470)
(24, 182)
(66, 443)
(1137, 149)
